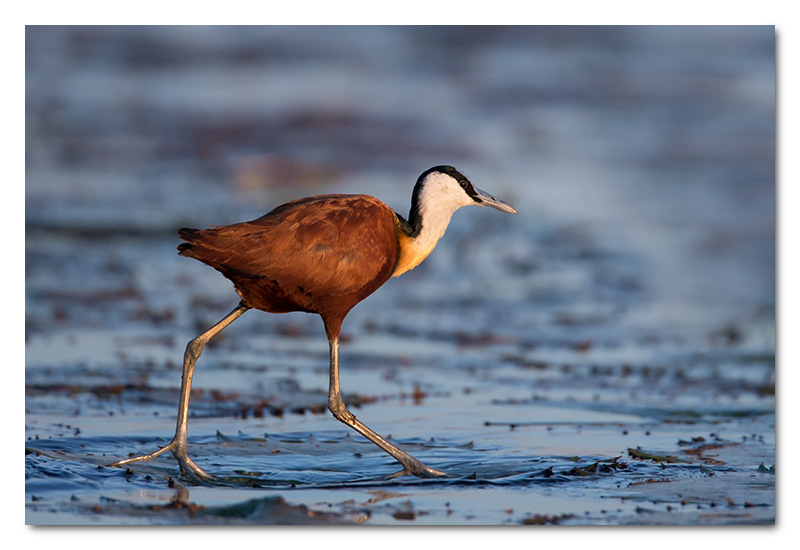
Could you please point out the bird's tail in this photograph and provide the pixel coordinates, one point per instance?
(189, 235)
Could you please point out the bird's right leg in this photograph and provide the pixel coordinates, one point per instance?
(179, 441)
(411, 465)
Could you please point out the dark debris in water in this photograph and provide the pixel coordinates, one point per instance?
(640, 454)
(539, 519)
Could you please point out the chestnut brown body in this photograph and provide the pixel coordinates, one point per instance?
(319, 255)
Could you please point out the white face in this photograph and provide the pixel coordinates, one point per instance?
(450, 190)
(443, 192)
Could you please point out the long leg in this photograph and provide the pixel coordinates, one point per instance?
(178, 444)
(336, 405)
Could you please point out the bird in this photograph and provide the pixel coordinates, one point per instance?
(321, 255)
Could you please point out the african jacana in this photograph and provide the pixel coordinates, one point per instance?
(322, 255)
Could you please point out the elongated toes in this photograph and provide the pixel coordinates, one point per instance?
(419, 470)
(194, 471)
(125, 462)
(428, 472)
(144, 458)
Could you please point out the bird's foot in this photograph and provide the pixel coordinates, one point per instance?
(417, 468)
(187, 465)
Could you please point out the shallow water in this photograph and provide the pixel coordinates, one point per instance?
(605, 357)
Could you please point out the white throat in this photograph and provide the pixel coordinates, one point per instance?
(435, 217)
(438, 199)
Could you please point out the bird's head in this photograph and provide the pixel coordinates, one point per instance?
(445, 188)
(439, 192)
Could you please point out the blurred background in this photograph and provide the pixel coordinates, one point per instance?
(655, 141)
(641, 160)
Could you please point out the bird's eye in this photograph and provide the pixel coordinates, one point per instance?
(464, 184)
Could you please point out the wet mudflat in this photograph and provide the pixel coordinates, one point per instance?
(605, 357)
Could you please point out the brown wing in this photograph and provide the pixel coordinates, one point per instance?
(320, 254)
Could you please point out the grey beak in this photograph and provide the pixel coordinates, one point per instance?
(486, 199)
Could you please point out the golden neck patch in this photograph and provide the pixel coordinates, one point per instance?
(412, 252)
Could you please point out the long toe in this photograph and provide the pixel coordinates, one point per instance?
(418, 469)
(195, 472)
(430, 472)
(143, 458)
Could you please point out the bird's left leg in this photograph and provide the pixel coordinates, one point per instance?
(179, 441)
(336, 405)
